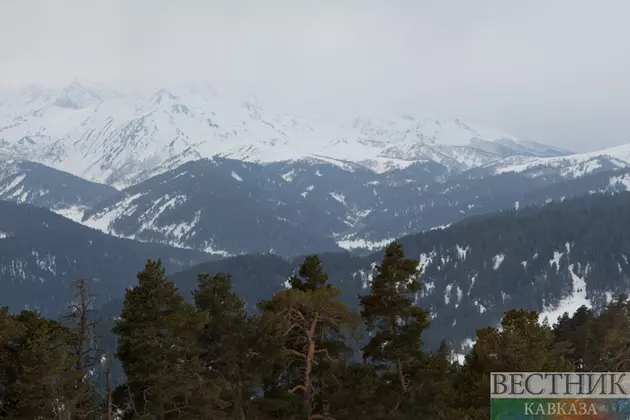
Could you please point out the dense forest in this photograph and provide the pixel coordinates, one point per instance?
(304, 354)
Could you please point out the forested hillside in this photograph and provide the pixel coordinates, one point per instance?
(28, 182)
(474, 270)
(294, 360)
(41, 253)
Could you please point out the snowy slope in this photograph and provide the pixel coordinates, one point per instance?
(225, 206)
(120, 139)
(33, 183)
(571, 166)
(41, 253)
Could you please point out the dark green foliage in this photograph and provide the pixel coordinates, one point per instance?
(308, 320)
(158, 347)
(38, 379)
(522, 345)
(232, 348)
(310, 276)
(394, 322)
(213, 360)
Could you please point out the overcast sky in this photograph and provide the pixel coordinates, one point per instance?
(556, 71)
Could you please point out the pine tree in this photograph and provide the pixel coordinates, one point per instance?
(311, 275)
(431, 389)
(308, 318)
(521, 345)
(158, 347)
(10, 331)
(393, 321)
(230, 341)
(357, 393)
(45, 384)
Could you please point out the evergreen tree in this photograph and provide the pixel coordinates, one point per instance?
(607, 337)
(393, 321)
(522, 345)
(45, 385)
(158, 347)
(231, 344)
(431, 390)
(10, 331)
(307, 318)
(311, 275)
(575, 338)
(357, 393)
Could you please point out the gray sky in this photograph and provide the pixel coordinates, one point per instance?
(556, 71)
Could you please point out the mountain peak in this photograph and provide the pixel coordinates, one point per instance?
(76, 96)
(163, 95)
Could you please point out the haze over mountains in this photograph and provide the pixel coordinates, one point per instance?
(119, 140)
(193, 175)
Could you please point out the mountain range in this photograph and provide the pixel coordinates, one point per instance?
(117, 139)
(93, 182)
(476, 269)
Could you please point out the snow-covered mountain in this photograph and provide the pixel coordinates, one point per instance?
(117, 139)
(33, 183)
(569, 167)
(229, 207)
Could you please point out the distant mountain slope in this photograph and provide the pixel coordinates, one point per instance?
(464, 196)
(569, 167)
(42, 186)
(229, 207)
(120, 140)
(41, 253)
(552, 258)
(221, 207)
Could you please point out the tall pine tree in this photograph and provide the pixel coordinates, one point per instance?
(393, 321)
(159, 350)
(232, 347)
(308, 319)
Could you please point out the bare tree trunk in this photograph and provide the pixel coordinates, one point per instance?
(310, 357)
(83, 323)
(80, 312)
(238, 409)
(401, 381)
(399, 372)
(108, 378)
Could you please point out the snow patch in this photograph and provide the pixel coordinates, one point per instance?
(289, 175)
(497, 260)
(74, 213)
(339, 197)
(447, 293)
(350, 244)
(556, 260)
(570, 303)
(620, 180)
(460, 293)
(463, 252)
(103, 220)
(473, 279)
